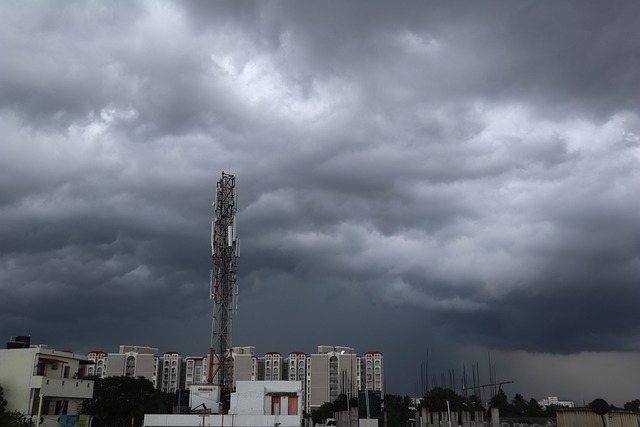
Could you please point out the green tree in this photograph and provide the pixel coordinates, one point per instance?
(123, 400)
(437, 398)
(322, 413)
(10, 418)
(519, 405)
(397, 409)
(500, 401)
(534, 409)
(633, 405)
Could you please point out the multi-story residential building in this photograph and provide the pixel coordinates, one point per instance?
(196, 370)
(330, 372)
(130, 361)
(297, 371)
(100, 362)
(245, 364)
(273, 366)
(171, 372)
(45, 383)
(373, 371)
(297, 366)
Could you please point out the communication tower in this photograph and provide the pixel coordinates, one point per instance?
(223, 288)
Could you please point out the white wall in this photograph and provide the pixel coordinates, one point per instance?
(153, 420)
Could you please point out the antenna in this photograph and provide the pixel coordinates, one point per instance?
(224, 250)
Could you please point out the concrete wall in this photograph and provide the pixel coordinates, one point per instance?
(220, 420)
(115, 365)
(441, 419)
(586, 418)
(319, 388)
(144, 365)
(255, 397)
(242, 367)
(16, 370)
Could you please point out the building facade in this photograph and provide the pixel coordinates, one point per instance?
(245, 364)
(331, 372)
(130, 361)
(172, 371)
(373, 371)
(44, 384)
(196, 370)
(273, 365)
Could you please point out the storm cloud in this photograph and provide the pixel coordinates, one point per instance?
(450, 177)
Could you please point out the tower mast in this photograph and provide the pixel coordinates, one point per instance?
(225, 249)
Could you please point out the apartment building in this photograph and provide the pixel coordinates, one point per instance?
(245, 364)
(100, 361)
(44, 384)
(196, 370)
(273, 366)
(130, 361)
(331, 372)
(373, 371)
(172, 372)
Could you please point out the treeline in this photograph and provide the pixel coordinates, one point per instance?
(400, 409)
(436, 401)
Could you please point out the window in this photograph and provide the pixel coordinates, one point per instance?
(61, 407)
(130, 366)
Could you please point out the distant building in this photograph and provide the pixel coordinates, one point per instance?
(373, 371)
(273, 366)
(99, 368)
(131, 361)
(38, 381)
(172, 371)
(196, 370)
(553, 401)
(245, 364)
(334, 370)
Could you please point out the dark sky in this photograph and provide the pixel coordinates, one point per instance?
(454, 177)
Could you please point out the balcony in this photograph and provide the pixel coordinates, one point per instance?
(63, 387)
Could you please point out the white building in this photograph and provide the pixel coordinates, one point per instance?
(171, 372)
(196, 370)
(273, 366)
(38, 381)
(373, 371)
(553, 400)
(254, 404)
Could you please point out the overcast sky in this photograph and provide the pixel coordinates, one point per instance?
(454, 177)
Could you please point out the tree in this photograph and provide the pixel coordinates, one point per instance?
(500, 401)
(534, 409)
(397, 409)
(10, 418)
(322, 413)
(519, 405)
(437, 398)
(121, 400)
(633, 405)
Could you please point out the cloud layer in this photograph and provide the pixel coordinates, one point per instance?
(471, 169)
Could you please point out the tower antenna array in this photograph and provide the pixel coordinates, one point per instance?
(225, 249)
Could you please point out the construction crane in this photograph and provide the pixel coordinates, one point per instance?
(223, 288)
